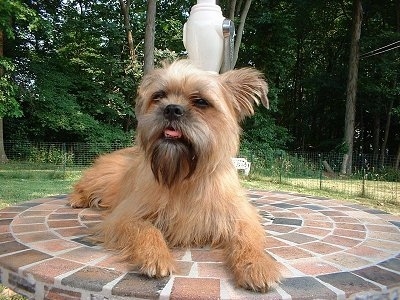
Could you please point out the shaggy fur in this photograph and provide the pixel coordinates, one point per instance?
(177, 187)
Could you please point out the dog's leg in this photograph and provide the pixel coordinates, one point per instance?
(78, 198)
(99, 185)
(140, 243)
(253, 268)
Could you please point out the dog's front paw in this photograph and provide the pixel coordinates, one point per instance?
(259, 275)
(161, 265)
(75, 200)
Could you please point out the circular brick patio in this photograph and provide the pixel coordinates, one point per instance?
(329, 249)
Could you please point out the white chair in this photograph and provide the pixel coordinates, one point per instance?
(242, 164)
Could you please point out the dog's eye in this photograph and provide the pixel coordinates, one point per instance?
(158, 95)
(200, 102)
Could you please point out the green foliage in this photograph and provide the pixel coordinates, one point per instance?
(69, 74)
(51, 155)
(9, 105)
(18, 11)
(12, 12)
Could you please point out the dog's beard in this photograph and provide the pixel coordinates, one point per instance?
(172, 160)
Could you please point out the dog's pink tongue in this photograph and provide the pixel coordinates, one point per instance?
(172, 133)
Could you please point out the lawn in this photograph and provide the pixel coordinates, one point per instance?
(22, 182)
(335, 189)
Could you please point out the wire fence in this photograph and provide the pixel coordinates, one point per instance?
(371, 178)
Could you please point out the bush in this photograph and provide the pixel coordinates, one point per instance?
(50, 155)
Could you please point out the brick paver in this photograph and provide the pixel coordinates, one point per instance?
(328, 249)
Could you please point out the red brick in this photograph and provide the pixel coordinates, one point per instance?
(139, 286)
(273, 242)
(195, 289)
(367, 252)
(23, 258)
(10, 247)
(29, 220)
(36, 236)
(53, 246)
(34, 213)
(73, 231)
(47, 270)
(314, 231)
(321, 248)
(84, 254)
(29, 228)
(217, 270)
(6, 237)
(290, 252)
(314, 266)
(350, 233)
(207, 255)
(90, 278)
(63, 223)
(341, 241)
(60, 294)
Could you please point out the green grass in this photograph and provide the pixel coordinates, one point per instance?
(7, 294)
(17, 190)
(302, 187)
(20, 182)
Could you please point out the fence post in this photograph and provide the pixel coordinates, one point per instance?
(64, 155)
(280, 166)
(320, 171)
(363, 175)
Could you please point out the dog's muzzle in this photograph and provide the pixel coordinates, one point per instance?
(173, 112)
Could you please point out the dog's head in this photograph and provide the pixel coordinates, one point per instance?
(188, 119)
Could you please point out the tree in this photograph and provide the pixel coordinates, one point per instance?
(83, 94)
(94, 56)
(3, 156)
(397, 162)
(8, 103)
(149, 36)
(125, 8)
(238, 11)
(378, 90)
(351, 92)
(10, 12)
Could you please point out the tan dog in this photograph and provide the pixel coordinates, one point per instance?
(178, 187)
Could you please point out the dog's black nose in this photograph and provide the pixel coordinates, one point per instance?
(173, 111)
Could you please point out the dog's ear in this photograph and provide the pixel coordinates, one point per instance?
(248, 87)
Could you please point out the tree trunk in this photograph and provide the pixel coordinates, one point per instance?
(125, 6)
(232, 7)
(351, 91)
(149, 36)
(239, 34)
(1, 51)
(3, 156)
(327, 167)
(397, 162)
